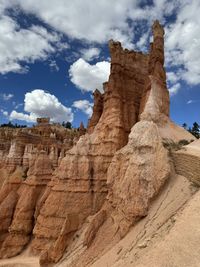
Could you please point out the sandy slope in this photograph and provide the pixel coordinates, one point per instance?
(146, 238)
(193, 148)
(20, 261)
(168, 237)
(180, 248)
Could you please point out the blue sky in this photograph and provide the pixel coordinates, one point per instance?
(54, 53)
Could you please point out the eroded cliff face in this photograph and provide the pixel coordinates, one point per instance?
(18, 146)
(28, 158)
(80, 186)
(111, 174)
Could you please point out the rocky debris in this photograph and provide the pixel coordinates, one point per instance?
(55, 252)
(94, 226)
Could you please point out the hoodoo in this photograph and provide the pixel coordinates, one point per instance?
(82, 201)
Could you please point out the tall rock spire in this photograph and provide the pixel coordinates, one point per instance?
(156, 60)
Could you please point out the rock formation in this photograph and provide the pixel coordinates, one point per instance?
(28, 158)
(97, 110)
(111, 175)
(17, 146)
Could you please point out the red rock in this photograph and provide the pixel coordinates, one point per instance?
(113, 171)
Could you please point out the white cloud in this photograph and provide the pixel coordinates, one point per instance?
(141, 43)
(183, 42)
(172, 77)
(19, 46)
(174, 89)
(94, 21)
(39, 103)
(14, 115)
(90, 53)
(192, 101)
(97, 22)
(84, 105)
(4, 112)
(89, 77)
(7, 97)
(157, 10)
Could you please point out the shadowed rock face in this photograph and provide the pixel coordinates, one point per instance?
(97, 110)
(108, 173)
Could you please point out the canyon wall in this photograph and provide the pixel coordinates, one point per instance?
(111, 174)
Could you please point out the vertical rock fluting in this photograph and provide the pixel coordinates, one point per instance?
(137, 171)
(106, 173)
(26, 171)
(80, 181)
(26, 198)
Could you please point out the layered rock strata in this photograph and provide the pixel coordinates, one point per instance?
(29, 156)
(108, 174)
(18, 146)
(187, 161)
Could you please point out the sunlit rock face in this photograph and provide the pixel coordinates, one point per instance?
(80, 181)
(111, 173)
(28, 158)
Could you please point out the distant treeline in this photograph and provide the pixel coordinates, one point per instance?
(11, 125)
(195, 129)
(67, 125)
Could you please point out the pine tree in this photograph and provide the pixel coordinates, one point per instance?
(195, 129)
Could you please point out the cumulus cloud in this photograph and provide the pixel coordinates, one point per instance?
(14, 115)
(39, 103)
(173, 82)
(89, 77)
(84, 105)
(183, 42)
(93, 21)
(19, 46)
(122, 19)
